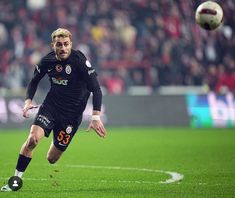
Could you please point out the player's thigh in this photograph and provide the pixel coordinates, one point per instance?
(35, 135)
(37, 132)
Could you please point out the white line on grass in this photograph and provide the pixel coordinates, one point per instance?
(174, 176)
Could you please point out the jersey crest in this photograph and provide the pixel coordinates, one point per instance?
(68, 69)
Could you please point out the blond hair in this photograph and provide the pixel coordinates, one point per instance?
(61, 32)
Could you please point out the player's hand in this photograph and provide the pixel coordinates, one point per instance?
(28, 105)
(98, 127)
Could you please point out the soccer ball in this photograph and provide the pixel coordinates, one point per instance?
(209, 15)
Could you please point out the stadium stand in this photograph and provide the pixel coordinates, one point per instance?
(130, 43)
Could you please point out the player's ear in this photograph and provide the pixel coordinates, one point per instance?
(71, 44)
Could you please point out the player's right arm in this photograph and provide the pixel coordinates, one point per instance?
(39, 72)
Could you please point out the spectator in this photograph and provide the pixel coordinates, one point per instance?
(160, 34)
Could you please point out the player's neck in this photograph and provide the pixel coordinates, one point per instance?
(58, 58)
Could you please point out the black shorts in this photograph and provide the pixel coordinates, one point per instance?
(63, 130)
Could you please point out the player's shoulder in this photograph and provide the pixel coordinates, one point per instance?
(79, 55)
(82, 59)
(46, 61)
(50, 57)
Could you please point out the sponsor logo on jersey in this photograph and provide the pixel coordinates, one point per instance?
(59, 81)
(91, 71)
(68, 69)
(43, 119)
(59, 68)
(88, 64)
(69, 129)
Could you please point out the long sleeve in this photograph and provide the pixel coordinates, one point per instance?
(32, 87)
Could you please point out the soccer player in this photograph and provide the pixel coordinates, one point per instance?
(72, 79)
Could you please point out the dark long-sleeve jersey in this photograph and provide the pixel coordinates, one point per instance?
(72, 80)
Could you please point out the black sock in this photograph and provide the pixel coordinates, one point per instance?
(22, 163)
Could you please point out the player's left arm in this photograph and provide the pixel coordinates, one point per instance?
(93, 86)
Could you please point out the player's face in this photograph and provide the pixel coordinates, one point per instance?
(62, 47)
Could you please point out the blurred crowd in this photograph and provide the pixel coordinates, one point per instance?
(130, 43)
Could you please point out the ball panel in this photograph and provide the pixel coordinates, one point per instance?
(209, 15)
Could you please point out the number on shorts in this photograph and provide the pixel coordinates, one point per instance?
(63, 137)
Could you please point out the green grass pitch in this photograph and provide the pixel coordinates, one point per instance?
(129, 162)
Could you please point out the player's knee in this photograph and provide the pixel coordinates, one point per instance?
(32, 141)
(52, 160)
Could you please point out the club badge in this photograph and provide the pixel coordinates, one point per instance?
(68, 69)
(69, 129)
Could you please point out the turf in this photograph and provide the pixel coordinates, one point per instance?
(123, 164)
